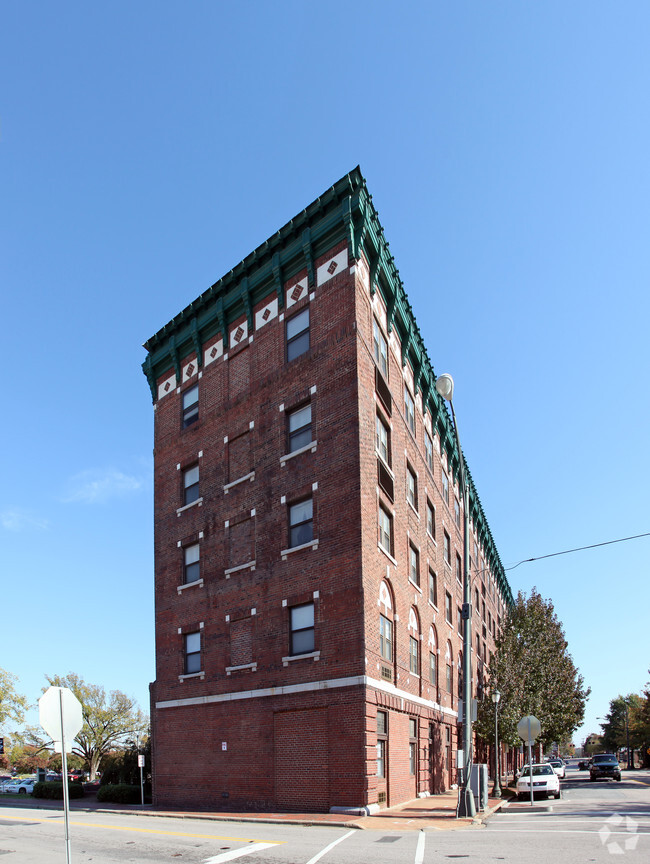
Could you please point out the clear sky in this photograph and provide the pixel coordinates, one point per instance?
(147, 147)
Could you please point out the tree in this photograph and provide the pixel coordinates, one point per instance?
(534, 674)
(12, 705)
(107, 719)
(622, 724)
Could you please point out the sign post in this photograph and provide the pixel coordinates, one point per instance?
(61, 716)
(529, 729)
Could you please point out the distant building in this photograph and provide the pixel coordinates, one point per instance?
(308, 533)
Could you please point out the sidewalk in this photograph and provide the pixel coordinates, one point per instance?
(437, 813)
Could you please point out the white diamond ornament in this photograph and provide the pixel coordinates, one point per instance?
(60, 714)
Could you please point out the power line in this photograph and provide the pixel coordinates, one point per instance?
(577, 549)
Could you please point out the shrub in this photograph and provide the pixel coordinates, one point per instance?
(121, 793)
(54, 791)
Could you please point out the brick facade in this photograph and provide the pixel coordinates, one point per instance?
(273, 685)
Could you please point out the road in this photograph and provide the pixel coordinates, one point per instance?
(583, 826)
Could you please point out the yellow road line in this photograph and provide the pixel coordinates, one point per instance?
(51, 821)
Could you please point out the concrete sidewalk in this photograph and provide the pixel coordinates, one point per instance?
(437, 812)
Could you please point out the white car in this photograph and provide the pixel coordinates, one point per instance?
(22, 787)
(545, 781)
(558, 767)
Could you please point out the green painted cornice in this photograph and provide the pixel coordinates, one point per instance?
(344, 212)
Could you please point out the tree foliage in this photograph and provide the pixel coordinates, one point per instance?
(12, 705)
(108, 719)
(534, 674)
(623, 723)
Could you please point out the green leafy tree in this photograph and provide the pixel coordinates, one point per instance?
(108, 719)
(644, 724)
(26, 758)
(12, 705)
(534, 674)
(621, 721)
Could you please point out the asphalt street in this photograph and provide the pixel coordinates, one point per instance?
(591, 823)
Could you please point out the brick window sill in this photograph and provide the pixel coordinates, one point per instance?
(250, 476)
(387, 554)
(251, 666)
(200, 675)
(249, 565)
(413, 508)
(311, 446)
(198, 583)
(312, 655)
(415, 585)
(197, 503)
(313, 544)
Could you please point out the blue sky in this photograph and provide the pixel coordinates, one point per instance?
(145, 148)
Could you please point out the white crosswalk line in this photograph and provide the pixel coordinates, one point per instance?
(239, 853)
(419, 852)
(327, 848)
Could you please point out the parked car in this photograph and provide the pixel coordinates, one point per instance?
(604, 765)
(545, 781)
(21, 787)
(559, 767)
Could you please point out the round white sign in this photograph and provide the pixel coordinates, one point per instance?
(529, 728)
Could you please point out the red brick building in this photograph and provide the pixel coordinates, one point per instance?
(308, 533)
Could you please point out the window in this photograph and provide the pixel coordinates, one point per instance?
(414, 564)
(460, 676)
(411, 487)
(301, 640)
(192, 565)
(413, 745)
(459, 568)
(301, 523)
(298, 334)
(386, 638)
(382, 439)
(299, 428)
(457, 511)
(447, 548)
(449, 672)
(192, 653)
(445, 487)
(447, 748)
(448, 617)
(413, 655)
(190, 406)
(428, 450)
(380, 349)
(409, 409)
(431, 520)
(385, 531)
(459, 620)
(382, 732)
(191, 484)
(433, 588)
(433, 668)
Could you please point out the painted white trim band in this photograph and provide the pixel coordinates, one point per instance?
(308, 686)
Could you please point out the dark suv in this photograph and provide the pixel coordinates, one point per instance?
(604, 765)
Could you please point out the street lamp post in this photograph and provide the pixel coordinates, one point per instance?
(466, 806)
(496, 792)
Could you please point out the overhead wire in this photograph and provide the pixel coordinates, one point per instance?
(577, 549)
